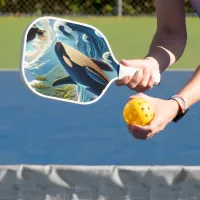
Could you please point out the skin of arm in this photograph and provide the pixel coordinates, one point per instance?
(169, 41)
(167, 46)
(190, 92)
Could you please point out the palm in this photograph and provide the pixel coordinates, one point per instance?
(165, 111)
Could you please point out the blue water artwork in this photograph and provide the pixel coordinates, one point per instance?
(67, 61)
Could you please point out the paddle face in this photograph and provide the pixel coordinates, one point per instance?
(67, 61)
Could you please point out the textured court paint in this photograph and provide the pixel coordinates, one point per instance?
(35, 130)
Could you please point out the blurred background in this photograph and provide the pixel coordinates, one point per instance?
(88, 7)
(36, 130)
(133, 23)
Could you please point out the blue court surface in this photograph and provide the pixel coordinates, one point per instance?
(35, 130)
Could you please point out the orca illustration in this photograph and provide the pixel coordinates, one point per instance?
(81, 70)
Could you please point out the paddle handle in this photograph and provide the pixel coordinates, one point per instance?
(130, 71)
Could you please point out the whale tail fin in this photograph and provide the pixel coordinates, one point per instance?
(64, 80)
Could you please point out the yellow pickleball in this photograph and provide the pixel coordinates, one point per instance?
(138, 111)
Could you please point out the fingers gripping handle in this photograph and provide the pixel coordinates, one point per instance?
(130, 71)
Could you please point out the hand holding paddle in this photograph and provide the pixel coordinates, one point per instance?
(145, 77)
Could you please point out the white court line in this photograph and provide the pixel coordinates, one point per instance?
(169, 70)
(179, 70)
(9, 70)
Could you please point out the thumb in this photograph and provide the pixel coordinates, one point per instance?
(151, 127)
(133, 63)
(156, 122)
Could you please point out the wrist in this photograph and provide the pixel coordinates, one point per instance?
(154, 63)
(163, 56)
(180, 101)
(175, 106)
(182, 107)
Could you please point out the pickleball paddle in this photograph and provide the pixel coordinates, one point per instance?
(69, 61)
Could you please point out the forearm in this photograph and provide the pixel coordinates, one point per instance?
(166, 48)
(190, 92)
